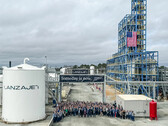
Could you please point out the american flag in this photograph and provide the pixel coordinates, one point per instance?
(131, 39)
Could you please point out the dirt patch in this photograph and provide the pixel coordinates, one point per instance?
(111, 93)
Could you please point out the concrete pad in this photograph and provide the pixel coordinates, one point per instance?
(38, 123)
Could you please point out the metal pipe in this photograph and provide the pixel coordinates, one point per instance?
(104, 90)
(10, 63)
(154, 91)
(25, 59)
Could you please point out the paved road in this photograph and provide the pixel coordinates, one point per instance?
(83, 92)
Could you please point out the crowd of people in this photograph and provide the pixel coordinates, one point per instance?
(90, 109)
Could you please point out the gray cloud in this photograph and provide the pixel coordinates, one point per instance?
(72, 31)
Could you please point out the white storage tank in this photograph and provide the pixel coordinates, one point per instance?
(46, 88)
(23, 94)
(137, 103)
(63, 70)
(1, 79)
(0, 93)
(92, 70)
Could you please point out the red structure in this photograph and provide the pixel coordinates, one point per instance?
(153, 110)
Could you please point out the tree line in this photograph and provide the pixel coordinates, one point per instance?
(99, 66)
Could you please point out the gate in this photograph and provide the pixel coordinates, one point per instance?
(83, 78)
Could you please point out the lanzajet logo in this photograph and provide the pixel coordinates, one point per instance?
(18, 87)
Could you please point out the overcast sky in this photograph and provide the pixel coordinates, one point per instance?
(72, 32)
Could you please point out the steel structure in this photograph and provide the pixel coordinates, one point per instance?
(163, 74)
(148, 88)
(133, 63)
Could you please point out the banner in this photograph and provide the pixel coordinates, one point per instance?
(81, 78)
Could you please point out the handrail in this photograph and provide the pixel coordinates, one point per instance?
(51, 122)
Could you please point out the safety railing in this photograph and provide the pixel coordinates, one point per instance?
(51, 122)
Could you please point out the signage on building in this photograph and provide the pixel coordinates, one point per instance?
(18, 87)
(81, 78)
(80, 71)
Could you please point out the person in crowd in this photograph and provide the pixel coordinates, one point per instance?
(82, 112)
(109, 111)
(124, 114)
(133, 116)
(85, 112)
(76, 110)
(90, 112)
(98, 110)
(54, 117)
(90, 109)
(117, 112)
(73, 111)
(66, 111)
(79, 110)
(101, 111)
(121, 114)
(94, 112)
(112, 112)
(115, 105)
(129, 114)
(104, 111)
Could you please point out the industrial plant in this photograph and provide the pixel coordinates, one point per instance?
(129, 88)
(133, 62)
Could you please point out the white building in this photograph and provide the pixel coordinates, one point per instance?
(137, 103)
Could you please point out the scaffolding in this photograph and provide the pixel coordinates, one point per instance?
(133, 63)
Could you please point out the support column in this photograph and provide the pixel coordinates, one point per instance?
(57, 91)
(128, 87)
(60, 92)
(115, 90)
(104, 89)
(46, 85)
(154, 91)
(149, 91)
(56, 84)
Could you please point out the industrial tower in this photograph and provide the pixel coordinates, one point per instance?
(132, 62)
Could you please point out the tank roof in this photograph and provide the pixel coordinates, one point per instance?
(25, 67)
